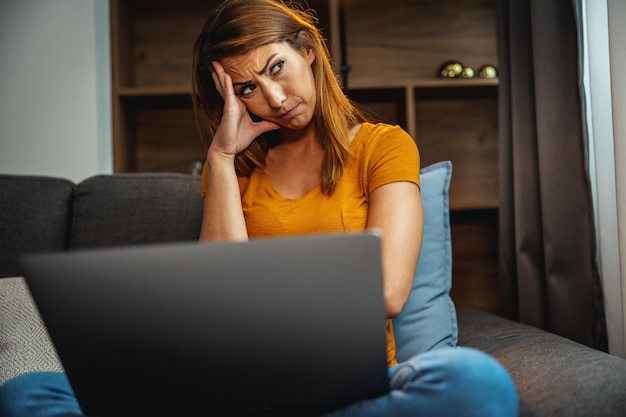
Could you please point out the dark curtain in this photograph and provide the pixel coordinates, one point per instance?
(548, 271)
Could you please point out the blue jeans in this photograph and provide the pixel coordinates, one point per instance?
(445, 382)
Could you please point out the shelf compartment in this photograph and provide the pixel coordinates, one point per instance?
(167, 140)
(475, 259)
(464, 131)
(153, 40)
(161, 135)
(386, 105)
(418, 37)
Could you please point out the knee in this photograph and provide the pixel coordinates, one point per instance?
(469, 378)
(494, 386)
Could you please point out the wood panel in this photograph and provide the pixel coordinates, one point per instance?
(167, 140)
(475, 260)
(465, 132)
(386, 105)
(404, 40)
(163, 33)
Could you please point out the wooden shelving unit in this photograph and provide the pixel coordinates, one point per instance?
(393, 49)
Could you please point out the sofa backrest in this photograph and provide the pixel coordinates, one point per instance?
(35, 215)
(137, 208)
(48, 214)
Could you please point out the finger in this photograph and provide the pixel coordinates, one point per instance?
(226, 85)
(217, 66)
(218, 83)
(218, 77)
(264, 126)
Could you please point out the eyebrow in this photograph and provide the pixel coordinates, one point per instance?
(263, 70)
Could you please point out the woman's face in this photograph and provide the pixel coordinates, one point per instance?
(276, 83)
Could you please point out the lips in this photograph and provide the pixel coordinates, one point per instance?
(289, 114)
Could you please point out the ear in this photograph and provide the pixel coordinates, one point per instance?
(309, 55)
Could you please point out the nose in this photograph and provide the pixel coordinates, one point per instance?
(274, 95)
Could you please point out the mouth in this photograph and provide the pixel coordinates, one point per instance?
(288, 114)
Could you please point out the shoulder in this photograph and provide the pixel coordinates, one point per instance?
(374, 132)
(385, 153)
(382, 137)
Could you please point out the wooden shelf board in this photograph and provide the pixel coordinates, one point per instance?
(154, 91)
(421, 83)
(168, 90)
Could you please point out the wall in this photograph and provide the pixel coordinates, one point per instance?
(617, 34)
(606, 109)
(55, 116)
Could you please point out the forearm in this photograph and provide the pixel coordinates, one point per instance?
(223, 214)
(399, 261)
(396, 210)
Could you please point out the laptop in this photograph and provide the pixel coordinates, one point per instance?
(293, 323)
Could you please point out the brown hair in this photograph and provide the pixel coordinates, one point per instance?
(237, 27)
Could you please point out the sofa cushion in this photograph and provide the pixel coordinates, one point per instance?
(24, 342)
(136, 208)
(428, 321)
(554, 376)
(35, 215)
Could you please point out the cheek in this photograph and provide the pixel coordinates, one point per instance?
(255, 110)
(258, 108)
(312, 86)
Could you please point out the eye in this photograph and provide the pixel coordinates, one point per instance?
(246, 90)
(277, 67)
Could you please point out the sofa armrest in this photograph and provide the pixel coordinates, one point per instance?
(24, 342)
(35, 215)
(554, 376)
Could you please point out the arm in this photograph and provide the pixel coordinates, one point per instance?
(396, 210)
(223, 215)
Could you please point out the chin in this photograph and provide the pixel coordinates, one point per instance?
(299, 123)
(298, 127)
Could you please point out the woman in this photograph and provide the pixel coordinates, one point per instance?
(310, 163)
(288, 153)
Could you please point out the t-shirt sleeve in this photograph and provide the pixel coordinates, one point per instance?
(391, 156)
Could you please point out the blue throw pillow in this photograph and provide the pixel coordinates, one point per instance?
(428, 321)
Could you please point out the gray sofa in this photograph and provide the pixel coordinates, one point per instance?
(554, 376)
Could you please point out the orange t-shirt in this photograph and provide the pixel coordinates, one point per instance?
(381, 154)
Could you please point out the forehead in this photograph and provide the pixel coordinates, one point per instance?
(256, 60)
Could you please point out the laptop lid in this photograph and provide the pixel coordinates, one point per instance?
(189, 327)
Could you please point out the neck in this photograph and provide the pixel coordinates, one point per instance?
(304, 137)
(296, 147)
